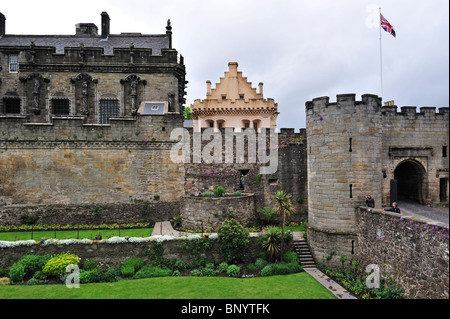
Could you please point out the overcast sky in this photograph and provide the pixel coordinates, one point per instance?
(299, 49)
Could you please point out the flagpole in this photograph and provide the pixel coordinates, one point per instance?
(381, 61)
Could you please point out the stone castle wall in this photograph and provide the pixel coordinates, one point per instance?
(412, 251)
(420, 138)
(344, 164)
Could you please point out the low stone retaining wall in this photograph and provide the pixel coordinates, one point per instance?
(209, 212)
(415, 252)
(91, 214)
(115, 250)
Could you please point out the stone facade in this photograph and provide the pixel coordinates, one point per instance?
(359, 147)
(209, 213)
(414, 252)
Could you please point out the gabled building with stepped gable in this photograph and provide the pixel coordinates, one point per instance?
(234, 103)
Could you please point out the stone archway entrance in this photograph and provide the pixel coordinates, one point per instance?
(411, 182)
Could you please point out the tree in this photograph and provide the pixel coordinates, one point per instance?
(285, 209)
(187, 113)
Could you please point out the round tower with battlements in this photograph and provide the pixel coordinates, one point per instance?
(344, 165)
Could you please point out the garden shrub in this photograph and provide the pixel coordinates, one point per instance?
(98, 275)
(17, 272)
(56, 266)
(5, 281)
(180, 265)
(127, 271)
(233, 270)
(152, 271)
(251, 267)
(2, 272)
(90, 264)
(135, 262)
(32, 282)
(223, 267)
(208, 272)
(260, 263)
(280, 268)
(271, 241)
(196, 272)
(291, 257)
(33, 263)
(219, 191)
(233, 240)
(207, 194)
(176, 273)
(39, 275)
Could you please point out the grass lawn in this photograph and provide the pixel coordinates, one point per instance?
(294, 286)
(72, 234)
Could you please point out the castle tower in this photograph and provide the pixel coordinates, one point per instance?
(344, 164)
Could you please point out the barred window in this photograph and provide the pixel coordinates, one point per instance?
(13, 63)
(11, 105)
(108, 108)
(61, 106)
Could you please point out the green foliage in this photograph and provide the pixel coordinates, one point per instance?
(17, 272)
(237, 193)
(152, 271)
(156, 253)
(291, 257)
(197, 247)
(39, 275)
(267, 215)
(127, 271)
(258, 179)
(187, 113)
(32, 282)
(33, 263)
(208, 272)
(271, 241)
(134, 262)
(280, 268)
(260, 263)
(28, 219)
(99, 275)
(2, 272)
(219, 191)
(207, 194)
(233, 270)
(223, 267)
(176, 273)
(285, 209)
(177, 221)
(90, 264)
(56, 266)
(233, 240)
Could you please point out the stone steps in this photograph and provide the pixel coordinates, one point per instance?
(304, 254)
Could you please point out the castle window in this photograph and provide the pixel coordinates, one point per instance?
(108, 108)
(351, 190)
(224, 97)
(444, 151)
(350, 144)
(241, 97)
(61, 106)
(11, 105)
(13, 63)
(255, 126)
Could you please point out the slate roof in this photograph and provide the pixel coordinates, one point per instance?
(154, 42)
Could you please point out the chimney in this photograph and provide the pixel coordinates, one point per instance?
(86, 29)
(260, 85)
(105, 25)
(233, 68)
(208, 87)
(2, 24)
